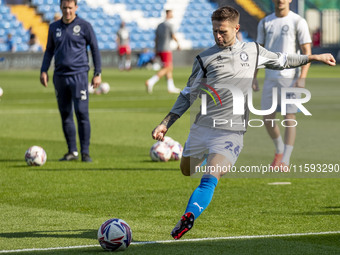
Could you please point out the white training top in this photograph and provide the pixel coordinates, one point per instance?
(226, 74)
(283, 35)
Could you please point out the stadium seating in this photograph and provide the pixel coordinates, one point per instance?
(140, 16)
(10, 25)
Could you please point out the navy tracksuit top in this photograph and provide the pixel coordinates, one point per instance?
(68, 44)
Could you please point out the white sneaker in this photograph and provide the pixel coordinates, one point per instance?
(174, 90)
(148, 87)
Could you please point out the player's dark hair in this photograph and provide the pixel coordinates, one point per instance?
(226, 13)
(75, 1)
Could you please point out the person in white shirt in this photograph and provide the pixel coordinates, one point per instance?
(283, 31)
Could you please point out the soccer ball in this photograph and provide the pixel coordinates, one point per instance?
(1, 92)
(90, 88)
(175, 147)
(104, 88)
(169, 141)
(35, 156)
(160, 151)
(114, 235)
(176, 151)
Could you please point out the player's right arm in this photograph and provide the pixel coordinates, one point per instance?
(159, 132)
(44, 79)
(182, 104)
(260, 40)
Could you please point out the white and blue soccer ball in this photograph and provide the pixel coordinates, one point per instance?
(160, 151)
(176, 151)
(175, 147)
(1, 92)
(169, 141)
(114, 235)
(104, 88)
(166, 150)
(35, 156)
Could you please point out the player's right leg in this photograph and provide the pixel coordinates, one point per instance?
(220, 157)
(202, 195)
(64, 99)
(272, 128)
(274, 132)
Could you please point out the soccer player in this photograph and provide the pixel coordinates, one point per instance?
(229, 63)
(67, 41)
(164, 34)
(283, 31)
(124, 50)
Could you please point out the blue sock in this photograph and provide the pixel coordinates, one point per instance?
(202, 195)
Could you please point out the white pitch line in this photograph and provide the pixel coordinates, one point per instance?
(279, 183)
(180, 241)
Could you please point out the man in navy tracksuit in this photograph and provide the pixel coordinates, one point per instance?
(68, 39)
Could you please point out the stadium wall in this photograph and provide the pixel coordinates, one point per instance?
(26, 60)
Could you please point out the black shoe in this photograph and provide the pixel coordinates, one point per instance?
(70, 156)
(183, 226)
(86, 158)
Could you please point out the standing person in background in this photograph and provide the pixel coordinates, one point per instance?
(164, 34)
(283, 31)
(33, 44)
(56, 16)
(68, 39)
(123, 45)
(10, 43)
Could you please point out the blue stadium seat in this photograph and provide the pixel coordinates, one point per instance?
(196, 23)
(3, 47)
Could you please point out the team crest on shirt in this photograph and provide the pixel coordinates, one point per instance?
(284, 29)
(76, 30)
(244, 57)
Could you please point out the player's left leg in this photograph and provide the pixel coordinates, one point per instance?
(290, 122)
(128, 58)
(170, 81)
(189, 164)
(290, 135)
(81, 108)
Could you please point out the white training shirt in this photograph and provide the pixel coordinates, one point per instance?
(227, 74)
(283, 35)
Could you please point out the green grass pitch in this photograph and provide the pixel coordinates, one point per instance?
(63, 204)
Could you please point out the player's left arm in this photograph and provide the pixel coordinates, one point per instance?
(173, 37)
(280, 61)
(325, 58)
(306, 49)
(92, 41)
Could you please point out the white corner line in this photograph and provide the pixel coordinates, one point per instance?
(178, 241)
